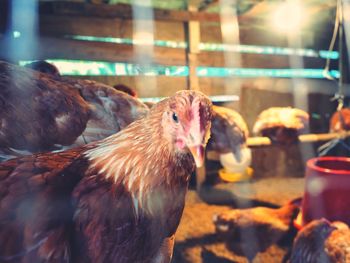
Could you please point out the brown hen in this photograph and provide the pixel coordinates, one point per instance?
(45, 112)
(115, 200)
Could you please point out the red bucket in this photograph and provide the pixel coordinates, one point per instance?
(327, 189)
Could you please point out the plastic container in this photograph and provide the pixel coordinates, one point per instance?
(327, 189)
(234, 171)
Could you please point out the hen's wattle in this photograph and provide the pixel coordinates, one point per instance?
(115, 200)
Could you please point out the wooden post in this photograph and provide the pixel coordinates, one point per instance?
(230, 36)
(192, 31)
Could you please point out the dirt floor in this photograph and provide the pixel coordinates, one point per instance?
(196, 240)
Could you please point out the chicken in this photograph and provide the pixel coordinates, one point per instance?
(110, 111)
(44, 67)
(126, 89)
(228, 133)
(34, 113)
(253, 230)
(45, 112)
(281, 125)
(340, 121)
(115, 200)
(322, 241)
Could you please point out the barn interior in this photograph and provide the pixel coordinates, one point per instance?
(248, 56)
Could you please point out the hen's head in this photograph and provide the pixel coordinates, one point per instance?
(186, 122)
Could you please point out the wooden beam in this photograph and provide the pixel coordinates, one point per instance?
(192, 30)
(60, 25)
(50, 47)
(305, 138)
(58, 48)
(254, 142)
(123, 11)
(248, 60)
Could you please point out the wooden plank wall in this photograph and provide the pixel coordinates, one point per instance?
(56, 20)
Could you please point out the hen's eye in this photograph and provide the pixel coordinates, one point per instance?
(175, 118)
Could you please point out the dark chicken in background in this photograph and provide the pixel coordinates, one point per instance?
(252, 230)
(45, 112)
(322, 241)
(115, 200)
(340, 123)
(340, 120)
(44, 67)
(229, 132)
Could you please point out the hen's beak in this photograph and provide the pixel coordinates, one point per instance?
(197, 152)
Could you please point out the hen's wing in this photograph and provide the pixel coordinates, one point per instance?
(35, 206)
(111, 110)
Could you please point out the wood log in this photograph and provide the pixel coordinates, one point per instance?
(255, 142)
(304, 138)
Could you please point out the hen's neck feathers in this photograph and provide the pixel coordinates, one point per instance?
(141, 156)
